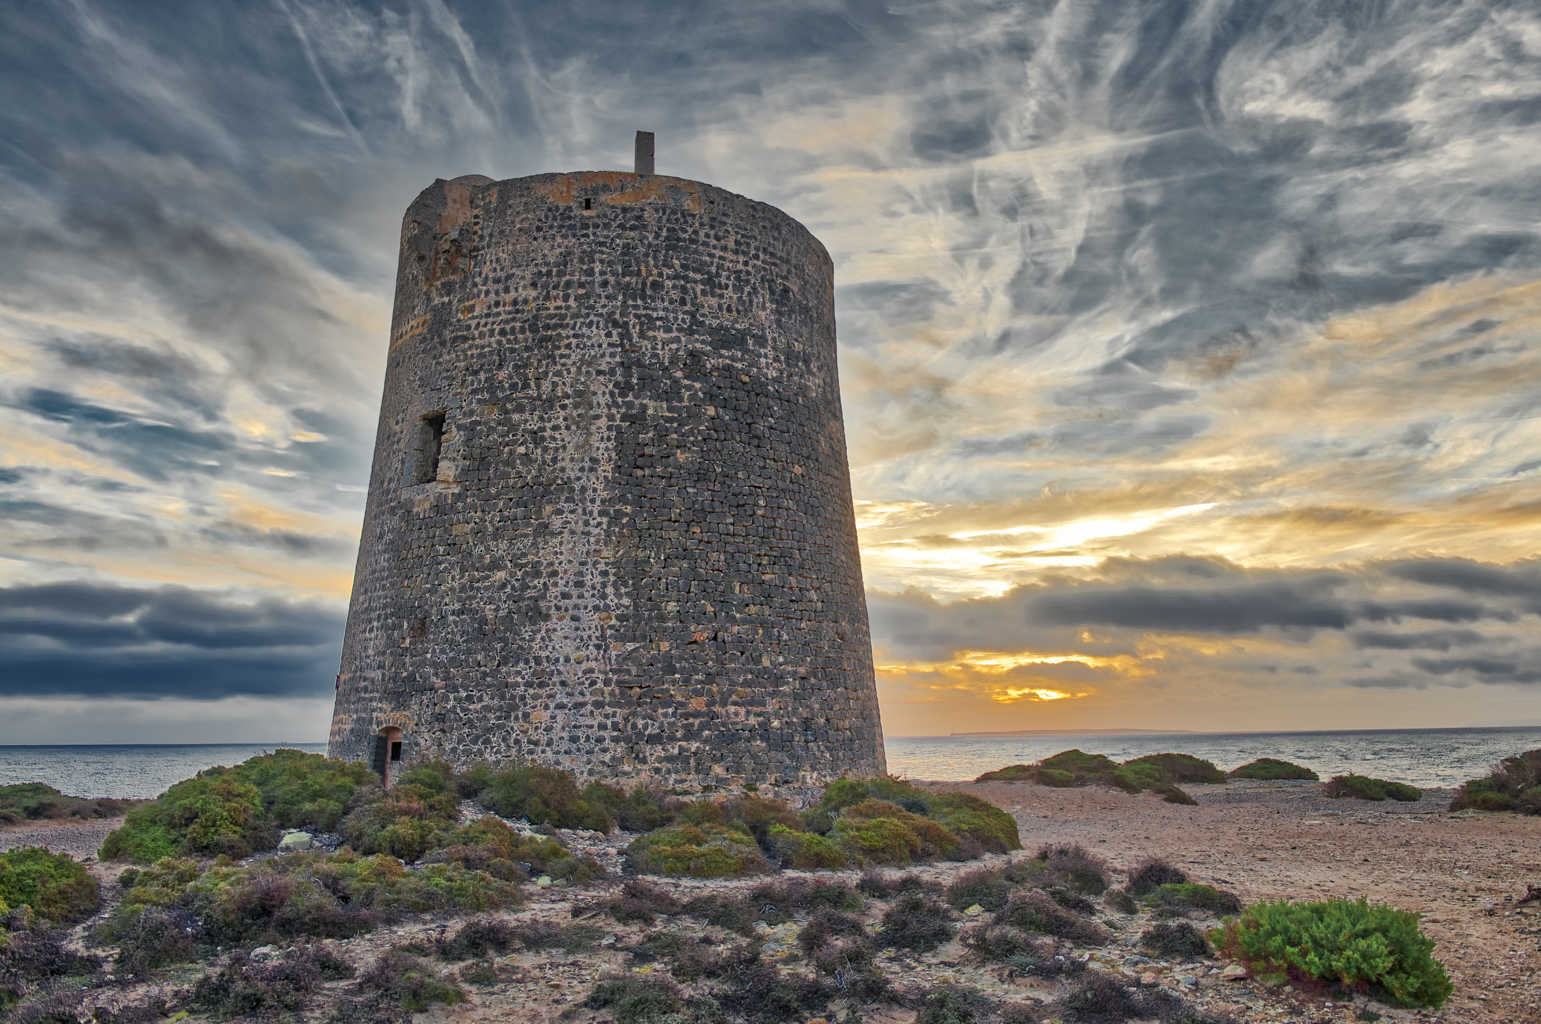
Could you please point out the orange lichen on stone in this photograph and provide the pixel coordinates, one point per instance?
(409, 330)
(457, 206)
(629, 189)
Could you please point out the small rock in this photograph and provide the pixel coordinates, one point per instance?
(296, 840)
(1233, 972)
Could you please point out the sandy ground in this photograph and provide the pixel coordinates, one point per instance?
(1464, 873)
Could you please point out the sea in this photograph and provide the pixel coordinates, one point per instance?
(1427, 758)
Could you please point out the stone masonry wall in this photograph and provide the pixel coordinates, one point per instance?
(637, 558)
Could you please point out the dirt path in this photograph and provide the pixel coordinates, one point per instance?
(1462, 872)
(78, 838)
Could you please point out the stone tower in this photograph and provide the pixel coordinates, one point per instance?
(609, 525)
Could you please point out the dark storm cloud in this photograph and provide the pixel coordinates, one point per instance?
(1431, 640)
(1482, 670)
(1127, 598)
(97, 639)
(1472, 577)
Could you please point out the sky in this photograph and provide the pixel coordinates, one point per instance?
(1189, 351)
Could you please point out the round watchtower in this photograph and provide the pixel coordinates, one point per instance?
(609, 525)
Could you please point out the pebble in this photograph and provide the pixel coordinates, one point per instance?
(1233, 972)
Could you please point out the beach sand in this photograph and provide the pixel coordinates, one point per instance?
(1464, 873)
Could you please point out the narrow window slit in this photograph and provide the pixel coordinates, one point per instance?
(428, 439)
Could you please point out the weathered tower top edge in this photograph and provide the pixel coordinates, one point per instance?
(610, 189)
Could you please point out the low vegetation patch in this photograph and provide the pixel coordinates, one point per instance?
(1353, 944)
(1074, 867)
(175, 910)
(916, 921)
(489, 845)
(53, 887)
(33, 801)
(1514, 785)
(697, 851)
(549, 796)
(1153, 773)
(1175, 940)
(856, 823)
(1037, 913)
(1362, 787)
(236, 811)
(1179, 768)
(266, 989)
(1153, 872)
(1175, 898)
(1270, 768)
(402, 980)
(33, 960)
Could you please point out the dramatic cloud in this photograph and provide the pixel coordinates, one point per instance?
(106, 640)
(1188, 350)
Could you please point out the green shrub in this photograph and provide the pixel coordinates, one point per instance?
(1154, 773)
(53, 885)
(1361, 787)
(211, 814)
(1011, 773)
(705, 851)
(758, 815)
(805, 851)
(1271, 769)
(1080, 764)
(547, 796)
(237, 811)
(1514, 785)
(489, 845)
(969, 826)
(874, 831)
(300, 790)
(1180, 768)
(1353, 944)
(34, 801)
(1179, 897)
(983, 827)
(416, 815)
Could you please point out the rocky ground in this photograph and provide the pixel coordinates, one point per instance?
(1463, 872)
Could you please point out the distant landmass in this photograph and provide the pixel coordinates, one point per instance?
(1084, 732)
